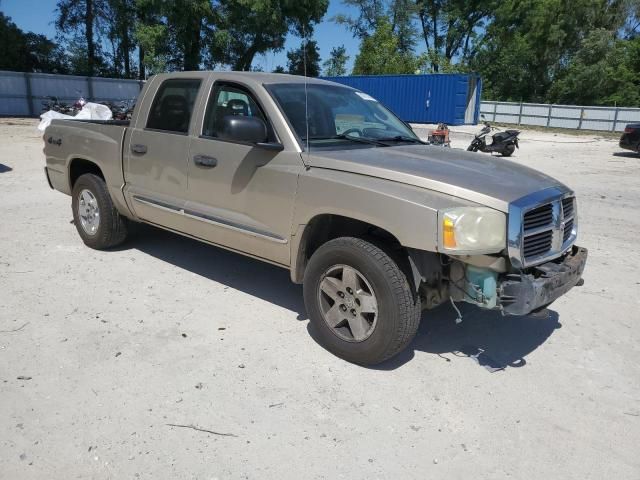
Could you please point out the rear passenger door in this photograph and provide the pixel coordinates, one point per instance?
(157, 152)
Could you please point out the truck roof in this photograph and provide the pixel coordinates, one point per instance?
(257, 77)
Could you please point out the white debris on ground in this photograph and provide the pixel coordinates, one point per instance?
(101, 351)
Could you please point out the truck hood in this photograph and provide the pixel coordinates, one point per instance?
(479, 178)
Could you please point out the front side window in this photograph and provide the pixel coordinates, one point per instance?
(173, 105)
(332, 116)
(228, 100)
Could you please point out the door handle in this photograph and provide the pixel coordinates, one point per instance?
(205, 161)
(139, 148)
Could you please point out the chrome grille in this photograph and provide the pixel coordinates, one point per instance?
(538, 217)
(567, 207)
(568, 229)
(537, 244)
(541, 227)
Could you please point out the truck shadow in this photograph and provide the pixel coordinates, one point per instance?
(626, 154)
(259, 279)
(487, 338)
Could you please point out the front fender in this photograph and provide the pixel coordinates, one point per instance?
(409, 213)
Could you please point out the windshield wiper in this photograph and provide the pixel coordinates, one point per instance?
(369, 141)
(401, 138)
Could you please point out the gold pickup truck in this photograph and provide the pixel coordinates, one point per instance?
(325, 181)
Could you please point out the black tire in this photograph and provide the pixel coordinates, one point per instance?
(473, 147)
(398, 305)
(112, 227)
(508, 150)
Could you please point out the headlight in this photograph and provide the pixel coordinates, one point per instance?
(473, 230)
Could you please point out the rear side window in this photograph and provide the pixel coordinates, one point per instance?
(173, 105)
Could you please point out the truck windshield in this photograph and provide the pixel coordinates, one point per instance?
(337, 116)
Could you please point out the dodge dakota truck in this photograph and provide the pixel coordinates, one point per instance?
(325, 181)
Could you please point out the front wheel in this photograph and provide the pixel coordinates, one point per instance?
(359, 301)
(97, 220)
(472, 148)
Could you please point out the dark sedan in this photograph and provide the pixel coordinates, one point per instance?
(630, 139)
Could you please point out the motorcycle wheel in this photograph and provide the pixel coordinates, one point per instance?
(472, 148)
(508, 150)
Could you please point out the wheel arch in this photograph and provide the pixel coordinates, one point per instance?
(327, 226)
(79, 166)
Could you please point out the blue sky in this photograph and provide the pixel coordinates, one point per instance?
(37, 16)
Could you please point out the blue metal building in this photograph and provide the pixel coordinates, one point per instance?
(450, 98)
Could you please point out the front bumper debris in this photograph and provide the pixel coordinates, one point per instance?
(537, 287)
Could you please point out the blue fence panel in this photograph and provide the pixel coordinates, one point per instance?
(423, 98)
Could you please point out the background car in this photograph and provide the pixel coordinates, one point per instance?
(630, 139)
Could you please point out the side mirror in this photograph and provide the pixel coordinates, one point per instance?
(239, 128)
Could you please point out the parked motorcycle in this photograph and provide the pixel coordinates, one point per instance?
(504, 143)
(79, 103)
(53, 103)
(121, 110)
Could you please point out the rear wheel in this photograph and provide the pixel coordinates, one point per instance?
(359, 301)
(508, 150)
(97, 220)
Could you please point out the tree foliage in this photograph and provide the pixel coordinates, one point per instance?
(380, 53)
(28, 51)
(247, 28)
(336, 65)
(102, 36)
(525, 50)
(304, 60)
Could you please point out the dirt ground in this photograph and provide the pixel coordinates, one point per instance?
(101, 352)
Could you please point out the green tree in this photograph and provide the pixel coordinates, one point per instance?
(398, 13)
(304, 60)
(604, 71)
(81, 19)
(380, 53)
(120, 32)
(29, 52)
(451, 28)
(336, 65)
(369, 12)
(246, 28)
(173, 35)
(529, 44)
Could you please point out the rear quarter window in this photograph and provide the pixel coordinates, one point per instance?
(173, 104)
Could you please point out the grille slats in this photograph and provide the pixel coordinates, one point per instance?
(567, 207)
(568, 226)
(538, 217)
(540, 228)
(542, 235)
(537, 244)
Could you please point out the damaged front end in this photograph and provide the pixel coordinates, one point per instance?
(521, 292)
(490, 282)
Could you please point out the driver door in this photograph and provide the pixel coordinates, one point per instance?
(240, 195)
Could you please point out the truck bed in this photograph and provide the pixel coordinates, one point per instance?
(97, 141)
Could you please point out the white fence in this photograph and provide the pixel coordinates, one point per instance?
(22, 94)
(561, 116)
